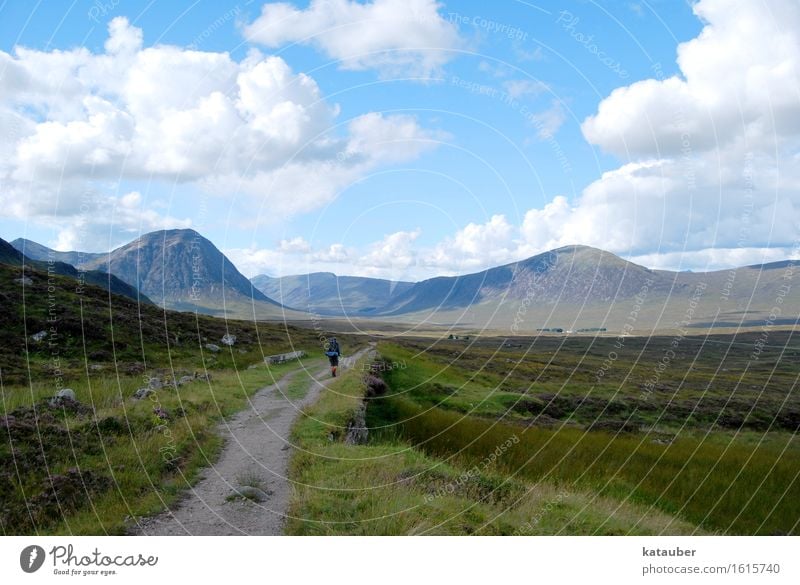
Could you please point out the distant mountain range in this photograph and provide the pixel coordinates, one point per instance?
(574, 287)
(9, 254)
(327, 294)
(579, 287)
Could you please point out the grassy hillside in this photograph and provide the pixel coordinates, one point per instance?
(84, 467)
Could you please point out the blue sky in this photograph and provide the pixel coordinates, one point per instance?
(404, 138)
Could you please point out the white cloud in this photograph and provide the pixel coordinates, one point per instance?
(396, 37)
(79, 121)
(713, 151)
(520, 88)
(739, 79)
(548, 122)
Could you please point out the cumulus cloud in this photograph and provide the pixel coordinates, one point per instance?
(75, 120)
(739, 79)
(710, 155)
(395, 37)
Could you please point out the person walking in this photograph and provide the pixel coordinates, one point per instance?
(333, 352)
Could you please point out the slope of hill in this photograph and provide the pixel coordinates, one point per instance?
(573, 275)
(180, 269)
(37, 251)
(579, 287)
(328, 294)
(9, 254)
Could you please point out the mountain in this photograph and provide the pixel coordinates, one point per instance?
(39, 252)
(10, 254)
(180, 269)
(577, 287)
(327, 294)
(571, 275)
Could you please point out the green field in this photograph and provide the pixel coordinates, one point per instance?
(708, 447)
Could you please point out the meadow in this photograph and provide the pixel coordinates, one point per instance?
(523, 437)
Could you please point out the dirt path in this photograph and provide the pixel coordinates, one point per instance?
(256, 448)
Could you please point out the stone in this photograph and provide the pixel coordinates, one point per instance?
(95, 367)
(25, 281)
(39, 336)
(186, 380)
(251, 493)
(142, 393)
(155, 383)
(212, 348)
(67, 393)
(206, 377)
(228, 339)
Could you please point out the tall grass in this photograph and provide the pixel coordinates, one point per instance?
(388, 487)
(730, 488)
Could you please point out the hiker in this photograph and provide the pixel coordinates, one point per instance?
(333, 352)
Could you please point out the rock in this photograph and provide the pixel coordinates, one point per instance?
(95, 368)
(25, 281)
(186, 380)
(155, 383)
(357, 433)
(212, 348)
(206, 377)
(251, 493)
(228, 339)
(67, 393)
(39, 336)
(142, 393)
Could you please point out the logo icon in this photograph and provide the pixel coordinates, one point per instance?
(31, 558)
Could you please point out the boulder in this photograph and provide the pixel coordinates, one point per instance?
(95, 367)
(212, 348)
(39, 336)
(155, 383)
(186, 380)
(25, 281)
(228, 339)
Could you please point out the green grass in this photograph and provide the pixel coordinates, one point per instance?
(388, 487)
(144, 462)
(731, 481)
